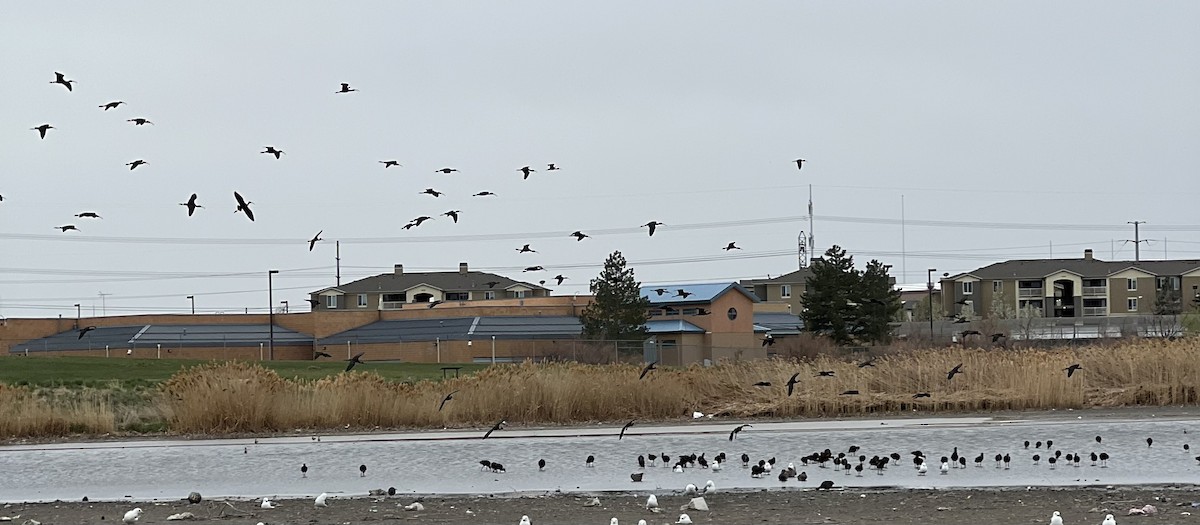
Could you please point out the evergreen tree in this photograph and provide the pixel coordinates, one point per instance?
(618, 309)
(829, 289)
(878, 303)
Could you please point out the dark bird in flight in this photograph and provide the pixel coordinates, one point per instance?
(418, 221)
(313, 241)
(484, 194)
(624, 428)
(492, 284)
(390, 163)
(768, 340)
(731, 246)
(445, 399)
(660, 291)
(111, 105)
(140, 121)
(824, 373)
(434, 303)
(762, 384)
(800, 163)
(313, 303)
(647, 369)
(319, 353)
(850, 393)
(560, 278)
(1070, 370)
(954, 371)
(533, 269)
(997, 337)
(552, 167)
(345, 88)
(579, 236)
(498, 426)
(960, 320)
(88, 215)
(83, 331)
(60, 79)
(42, 129)
(652, 225)
(272, 151)
(453, 214)
(965, 333)
(447, 171)
(791, 383)
(736, 430)
(431, 191)
(191, 205)
(920, 395)
(962, 302)
(66, 227)
(525, 249)
(243, 205)
(869, 362)
(682, 293)
(133, 165)
(356, 360)
(526, 171)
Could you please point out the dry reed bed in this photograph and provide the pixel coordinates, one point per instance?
(24, 414)
(239, 397)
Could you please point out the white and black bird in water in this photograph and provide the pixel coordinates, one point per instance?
(243, 206)
(590, 461)
(356, 360)
(541, 464)
(362, 471)
(304, 470)
(191, 205)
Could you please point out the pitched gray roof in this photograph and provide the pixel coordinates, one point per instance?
(446, 281)
(797, 276)
(460, 329)
(172, 336)
(1038, 268)
(779, 323)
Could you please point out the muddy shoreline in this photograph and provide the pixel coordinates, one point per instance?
(777, 506)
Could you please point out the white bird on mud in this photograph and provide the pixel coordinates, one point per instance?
(132, 516)
(1109, 520)
(689, 489)
(678, 469)
(945, 467)
(415, 506)
(1056, 519)
(641, 522)
(652, 502)
(710, 487)
(525, 521)
(613, 521)
(267, 504)
(684, 519)
(922, 469)
(716, 466)
(321, 500)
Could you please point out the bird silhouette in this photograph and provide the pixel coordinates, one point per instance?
(961, 302)
(791, 383)
(435, 303)
(88, 215)
(850, 393)
(191, 205)
(624, 428)
(1070, 370)
(533, 269)
(800, 163)
(997, 337)
(825, 373)
(67, 227)
(356, 360)
(492, 284)
(653, 225)
(560, 278)
(484, 194)
(498, 426)
(762, 384)
(313, 303)
(140, 121)
(453, 214)
(731, 246)
(345, 88)
(83, 331)
(133, 165)
(647, 369)
(526, 171)
(431, 191)
(920, 395)
(447, 171)
(243, 205)
(417, 221)
(270, 150)
(737, 430)
(578, 235)
(965, 333)
(319, 353)
(390, 163)
(445, 399)
(869, 362)
(313, 241)
(552, 167)
(682, 293)
(526, 249)
(954, 371)
(60, 79)
(42, 130)
(111, 105)
(660, 291)
(768, 340)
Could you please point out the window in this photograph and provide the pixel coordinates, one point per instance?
(331, 301)
(362, 300)
(785, 291)
(394, 298)
(489, 294)
(691, 311)
(520, 294)
(731, 314)
(968, 287)
(997, 286)
(1166, 282)
(458, 296)
(1131, 285)
(1132, 306)
(655, 312)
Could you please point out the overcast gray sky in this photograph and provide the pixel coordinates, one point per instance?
(1078, 116)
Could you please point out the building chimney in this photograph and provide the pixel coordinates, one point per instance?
(398, 269)
(1087, 254)
(462, 268)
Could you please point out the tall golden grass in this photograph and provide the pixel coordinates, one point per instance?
(239, 397)
(24, 413)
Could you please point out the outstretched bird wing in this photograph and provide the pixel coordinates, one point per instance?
(624, 428)
(647, 370)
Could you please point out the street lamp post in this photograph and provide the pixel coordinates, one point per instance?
(929, 285)
(285, 306)
(271, 314)
(77, 314)
(192, 298)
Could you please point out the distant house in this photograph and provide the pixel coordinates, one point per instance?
(787, 288)
(392, 291)
(693, 322)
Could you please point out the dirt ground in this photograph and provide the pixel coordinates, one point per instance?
(794, 506)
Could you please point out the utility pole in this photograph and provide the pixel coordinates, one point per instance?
(338, 257)
(1137, 240)
(103, 306)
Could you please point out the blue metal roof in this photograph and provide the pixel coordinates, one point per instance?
(174, 336)
(671, 326)
(700, 293)
(461, 329)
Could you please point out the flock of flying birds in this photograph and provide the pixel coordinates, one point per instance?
(243, 205)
